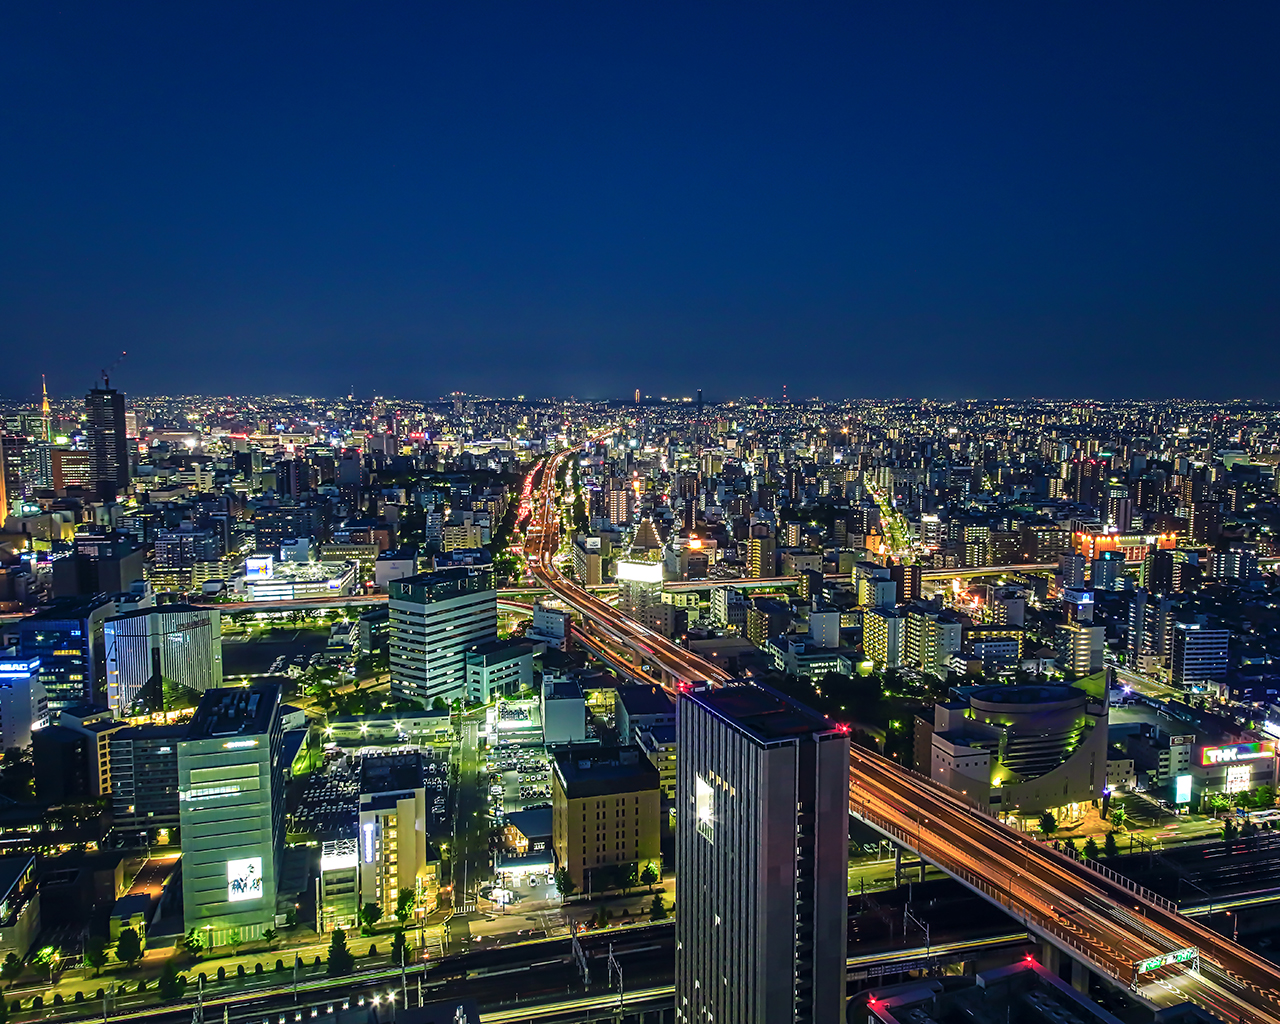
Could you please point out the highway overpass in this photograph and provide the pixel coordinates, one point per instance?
(1101, 921)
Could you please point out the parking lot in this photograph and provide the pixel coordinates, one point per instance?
(327, 805)
(518, 780)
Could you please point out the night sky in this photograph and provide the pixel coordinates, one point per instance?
(866, 199)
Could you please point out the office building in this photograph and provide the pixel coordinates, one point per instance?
(108, 444)
(144, 780)
(436, 618)
(339, 884)
(605, 804)
(1080, 647)
(19, 905)
(24, 705)
(172, 648)
(1149, 641)
(99, 563)
(231, 794)
(498, 668)
(392, 834)
(930, 640)
(641, 708)
(1022, 750)
(639, 588)
(551, 626)
(67, 637)
(762, 856)
(564, 712)
(1199, 654)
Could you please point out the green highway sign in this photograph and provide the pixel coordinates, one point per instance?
(1178, 956)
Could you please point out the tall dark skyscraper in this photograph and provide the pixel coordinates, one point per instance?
(104, 408)
(762, 859)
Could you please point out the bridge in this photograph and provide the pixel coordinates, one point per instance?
(1099, 920)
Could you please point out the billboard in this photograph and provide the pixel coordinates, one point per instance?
(638, 572)
(258, 567)
(1239, 778)
(244, 879)
(1183, 790)
(1234, 752)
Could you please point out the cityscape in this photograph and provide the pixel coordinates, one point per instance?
(639, 514)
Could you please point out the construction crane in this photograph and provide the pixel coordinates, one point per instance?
(106, 374)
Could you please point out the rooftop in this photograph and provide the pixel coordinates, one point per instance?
(762, 712)
(646, 700)
(233, 711)
(388, 773)
(601, 771)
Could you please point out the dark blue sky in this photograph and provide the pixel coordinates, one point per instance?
(865, 199)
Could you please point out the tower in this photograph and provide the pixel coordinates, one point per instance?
(44, 410)
(104, 408)
(762, 855)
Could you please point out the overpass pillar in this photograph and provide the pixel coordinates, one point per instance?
(1079, 977)
(1050, 958)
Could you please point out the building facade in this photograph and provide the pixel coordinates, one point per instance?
(762, 855)
(174, 646)
(436, 618)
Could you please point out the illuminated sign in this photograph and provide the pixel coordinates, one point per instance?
(239, 744)
(368, 842)
(1237, 752)
(21, 666)
(1178, 956)
(259, 567)
(1183, 793)
(703, 797)
(244, 879)
(639, 572)
(1239, 777)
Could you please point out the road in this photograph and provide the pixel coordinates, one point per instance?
(1098, 919)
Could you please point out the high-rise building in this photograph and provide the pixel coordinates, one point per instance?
(231, 795)
(1199, 653)
(104, 412)
(762, 855)
(67, 637)
(100, 563)
(1150, 636)
(1080, 646)
(759, 554)
(174, 646)
(436, 617)
(144, 779)
(882, 633)
(639, 588)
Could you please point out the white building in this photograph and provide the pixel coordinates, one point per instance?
(174, 644)
(436, 617)
(24, 706)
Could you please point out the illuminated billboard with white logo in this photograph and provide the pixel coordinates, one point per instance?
(638, 572)
(244, 879)
(1183, 793)
(259, 567)
(1236, 752)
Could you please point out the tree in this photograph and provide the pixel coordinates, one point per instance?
(45, 958)
(1265, 797)
(405, 901)
(565, 884)
(234, 939)
(129, 947)
(657, 910)
(1091, 848)
(1069, 848)
(398, 947)
(1109, 846)
(11, 968)
(340, 959)
(1048, 823)
(270, 935)
(630, 877)
(439, 705)
(194, 942)
(370, 915)
(1117, 817)
(171, 986)
(95, 953)
(1229, 830)
(602, 919)
(649, 876)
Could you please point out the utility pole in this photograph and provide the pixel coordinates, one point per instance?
(614, 966)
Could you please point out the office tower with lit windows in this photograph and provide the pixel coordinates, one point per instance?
(104, 413)
(231, 808)
(762, 857)
(174, 646)
(1199, 654)
(436, 617)
(67, 637)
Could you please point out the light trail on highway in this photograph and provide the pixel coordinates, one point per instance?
(1103, 921)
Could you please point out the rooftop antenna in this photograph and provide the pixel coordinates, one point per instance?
(106, 374)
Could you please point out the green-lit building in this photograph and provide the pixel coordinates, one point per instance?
(231, 805)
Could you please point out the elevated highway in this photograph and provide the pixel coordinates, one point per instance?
(1099, 919)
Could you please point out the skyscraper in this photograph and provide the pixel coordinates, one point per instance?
(762, 856)
(231, 807)
(174, 645)
(104, 409)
